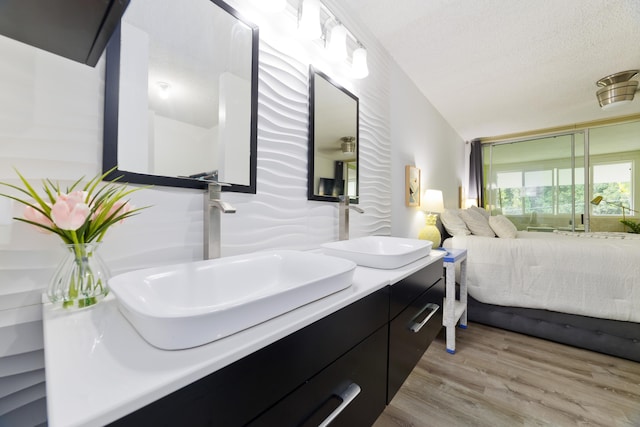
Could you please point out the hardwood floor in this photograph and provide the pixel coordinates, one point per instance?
(500, 378)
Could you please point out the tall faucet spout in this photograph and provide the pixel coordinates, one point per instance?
(343, 216)
(357, 209)
(213, 206)
(224, 207)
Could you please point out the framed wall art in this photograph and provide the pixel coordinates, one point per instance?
(412, 185)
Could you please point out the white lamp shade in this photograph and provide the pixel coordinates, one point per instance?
(338, 43)
(359, 66)
(433, 201)
(309, 25)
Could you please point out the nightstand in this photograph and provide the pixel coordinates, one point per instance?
(454, 309)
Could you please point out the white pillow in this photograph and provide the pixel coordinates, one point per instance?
(485, 213)
(477, 223)
(503, 227)
(453, 223)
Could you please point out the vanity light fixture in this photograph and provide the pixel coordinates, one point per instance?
(271, 6)
(316, 22)
(309, 20)
(337, 46)
(616, 89)
(359, 68)
(164, 89)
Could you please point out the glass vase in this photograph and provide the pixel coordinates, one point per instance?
(81, 279)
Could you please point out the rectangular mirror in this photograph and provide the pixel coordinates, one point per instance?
(181, 96)
(333, 140)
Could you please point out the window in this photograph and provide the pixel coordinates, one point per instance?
(540, 182)
(547, 191)
(612, 181)
(565, 198)
(509, 192)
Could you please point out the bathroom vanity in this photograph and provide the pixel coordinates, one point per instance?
(415, 318)
(343, 356)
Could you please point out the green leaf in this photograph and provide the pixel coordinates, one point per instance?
(634, 226)
(101, 200)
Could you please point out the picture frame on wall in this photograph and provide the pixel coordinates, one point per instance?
(412, 185)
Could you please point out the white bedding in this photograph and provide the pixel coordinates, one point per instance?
(564, 273)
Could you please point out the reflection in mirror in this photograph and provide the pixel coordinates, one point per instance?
(181, 96)
(333, 140)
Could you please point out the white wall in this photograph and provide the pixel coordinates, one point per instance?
(234, 125)
(134, 131)
(421, 137)
(172, 138)
(51, 114)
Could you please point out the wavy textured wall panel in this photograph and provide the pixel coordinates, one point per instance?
(280, 215)
(51, 127)
(375, 152)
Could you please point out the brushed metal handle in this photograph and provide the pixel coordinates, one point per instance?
(347, 397)
(416, 326)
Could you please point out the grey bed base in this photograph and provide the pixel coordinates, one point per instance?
(620, 339)
(616, 338)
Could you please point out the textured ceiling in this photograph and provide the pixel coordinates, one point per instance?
(496, 67)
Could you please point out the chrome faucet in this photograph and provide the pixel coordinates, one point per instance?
(343, 216)
(213, 206)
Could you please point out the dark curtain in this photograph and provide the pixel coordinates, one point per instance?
(476, 187)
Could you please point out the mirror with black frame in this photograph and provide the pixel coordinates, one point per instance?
(333, 140)
(181, 96)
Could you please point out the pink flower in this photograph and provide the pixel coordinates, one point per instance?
(124, 208)
(77, 196)
(70, 211)
(36, 216)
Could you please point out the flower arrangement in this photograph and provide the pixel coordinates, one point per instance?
(80, 216)
(76, 215)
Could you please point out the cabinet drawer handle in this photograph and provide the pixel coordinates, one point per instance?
(415, 327)
(347, 397)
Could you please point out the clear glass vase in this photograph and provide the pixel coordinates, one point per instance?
(81, 279)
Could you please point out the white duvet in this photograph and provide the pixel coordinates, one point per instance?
(594, 277)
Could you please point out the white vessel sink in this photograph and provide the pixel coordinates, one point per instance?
(190, 304)
(379, 251)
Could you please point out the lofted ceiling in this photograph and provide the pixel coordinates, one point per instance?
(497, 67)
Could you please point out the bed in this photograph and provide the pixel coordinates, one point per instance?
(578, 289)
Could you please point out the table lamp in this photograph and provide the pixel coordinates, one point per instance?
(432, 204)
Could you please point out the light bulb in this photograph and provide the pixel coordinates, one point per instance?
(271, 6)
(309, 25)
(338, 43)
(359, 66)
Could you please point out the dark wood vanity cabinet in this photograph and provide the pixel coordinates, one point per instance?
(75, 29)
(416, 308)
(350, 363)
(352, 389)
(299, 375)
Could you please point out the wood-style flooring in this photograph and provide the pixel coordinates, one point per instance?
(501, 378)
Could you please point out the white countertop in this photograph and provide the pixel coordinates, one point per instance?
(98, 368)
